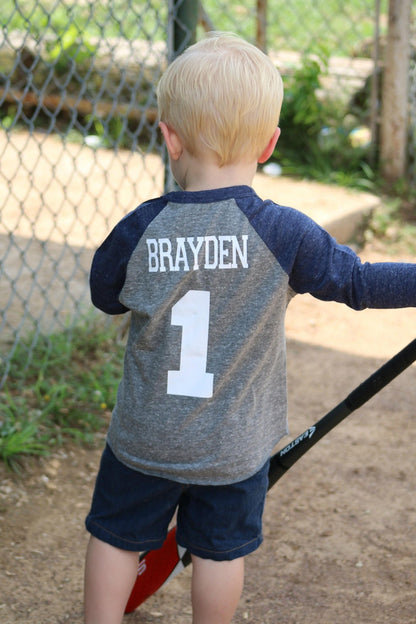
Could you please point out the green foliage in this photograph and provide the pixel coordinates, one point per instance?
(70, 47)
(64, 391)
(8, 117)
(316, 140)
(18, 436)
(110, 131)
(303, 114)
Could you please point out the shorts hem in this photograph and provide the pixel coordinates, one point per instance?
(222, 555)
(104, 535)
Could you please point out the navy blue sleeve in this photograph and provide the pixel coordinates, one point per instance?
(333, 272)
(109, 265)
(317, 264)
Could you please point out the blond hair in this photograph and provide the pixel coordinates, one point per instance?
(222, 94)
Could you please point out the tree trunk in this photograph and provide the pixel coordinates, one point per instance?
(395, 97)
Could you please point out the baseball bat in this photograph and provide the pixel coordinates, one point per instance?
(157, 567)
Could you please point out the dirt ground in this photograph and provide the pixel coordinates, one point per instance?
(339, 528)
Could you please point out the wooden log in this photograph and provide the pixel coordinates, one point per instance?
(55, 102)
(111, 66)
(394, 110)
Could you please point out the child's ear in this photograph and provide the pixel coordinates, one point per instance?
(172, 140)
(270, 147)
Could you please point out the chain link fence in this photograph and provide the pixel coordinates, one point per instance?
(79, 145)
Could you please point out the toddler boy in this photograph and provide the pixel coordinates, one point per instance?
(207, 273)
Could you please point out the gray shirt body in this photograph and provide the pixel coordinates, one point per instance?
(207, 277)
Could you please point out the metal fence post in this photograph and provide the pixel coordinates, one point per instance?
(182, 22)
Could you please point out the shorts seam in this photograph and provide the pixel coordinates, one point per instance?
(223, 552)
(122, 539)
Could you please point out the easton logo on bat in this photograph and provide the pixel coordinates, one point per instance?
(306, 434)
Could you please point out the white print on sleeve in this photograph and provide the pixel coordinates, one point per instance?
(192, 313)
(194, 253)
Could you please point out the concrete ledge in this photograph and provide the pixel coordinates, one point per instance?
(339, 210)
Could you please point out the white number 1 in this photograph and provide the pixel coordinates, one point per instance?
(192, 313)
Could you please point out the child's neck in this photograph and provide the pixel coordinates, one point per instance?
(203, 175)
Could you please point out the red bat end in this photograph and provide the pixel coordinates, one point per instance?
(155, 567)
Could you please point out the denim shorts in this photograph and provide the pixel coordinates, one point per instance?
(132, 511)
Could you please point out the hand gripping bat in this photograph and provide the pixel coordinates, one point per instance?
(157, 567)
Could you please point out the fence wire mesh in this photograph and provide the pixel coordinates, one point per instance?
(79, 146)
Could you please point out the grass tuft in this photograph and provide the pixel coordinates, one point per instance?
(392, 226)
(65, 392)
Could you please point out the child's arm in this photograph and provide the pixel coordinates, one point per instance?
(333, 272)
(109, 265)
(317, 264)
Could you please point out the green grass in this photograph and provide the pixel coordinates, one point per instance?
(393, 224)
(60, 389)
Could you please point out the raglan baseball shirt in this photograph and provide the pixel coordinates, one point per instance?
(207, 277)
